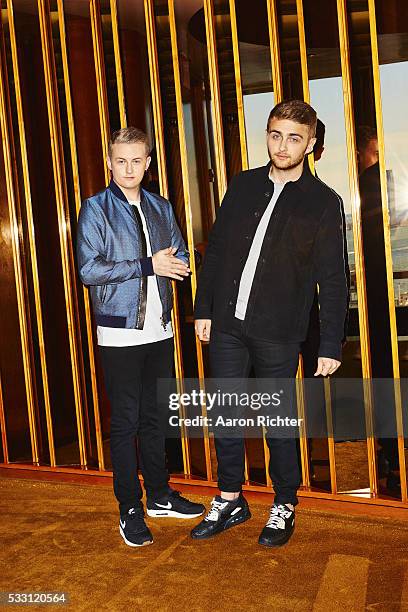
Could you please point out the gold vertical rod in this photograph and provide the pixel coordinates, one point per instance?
(77, 194)
(164, 190)
(304, 448)
(187, 205)
(95, 14)
(275, 50)
(18, 267)
(266, 458)
(156, 96)
(330, 436)
(63, 219)
(118, 64)
(3, 427)
(357, 236)
(303, 53)
(178, 366)
(303, 64)
(240, 110)
(218, 130)
(238, 86)
(246, 467)
(31, 232)
(387, 243)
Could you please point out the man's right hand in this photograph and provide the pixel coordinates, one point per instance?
(165, 264)
(203, 329)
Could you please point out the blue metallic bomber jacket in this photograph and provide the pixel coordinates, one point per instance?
(111, 253)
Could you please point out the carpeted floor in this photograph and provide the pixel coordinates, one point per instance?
(64, 537)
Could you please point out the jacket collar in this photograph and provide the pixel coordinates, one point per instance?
(116, 190)
(304, 182)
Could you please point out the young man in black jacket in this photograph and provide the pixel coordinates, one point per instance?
(278, 234)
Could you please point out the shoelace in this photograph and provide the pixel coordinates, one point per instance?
(277, 517)
(136, 517)
(216, 508)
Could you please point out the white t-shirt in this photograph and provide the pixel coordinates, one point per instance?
(248, 272)
(153, 330)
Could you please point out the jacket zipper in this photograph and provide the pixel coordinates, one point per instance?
(138, 313)
(163, 322)
(143, 280)
(103, 293)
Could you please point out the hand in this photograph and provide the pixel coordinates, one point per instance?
(326, 366)
(203, 329)
(165, 264)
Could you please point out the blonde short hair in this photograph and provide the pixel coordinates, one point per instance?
(129, 135)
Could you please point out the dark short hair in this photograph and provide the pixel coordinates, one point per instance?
(320, 135)
(129, 135)
(295, 110)
(364, 135)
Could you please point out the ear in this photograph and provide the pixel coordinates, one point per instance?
(310, 145)
(109, 163)
(148, 160)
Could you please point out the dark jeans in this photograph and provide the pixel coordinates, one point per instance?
(231, 356)
(131, 375)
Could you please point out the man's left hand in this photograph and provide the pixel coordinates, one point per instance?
(326, 366)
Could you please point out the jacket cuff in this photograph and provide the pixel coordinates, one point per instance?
(332, 350)
(202, 312)
(146, 265)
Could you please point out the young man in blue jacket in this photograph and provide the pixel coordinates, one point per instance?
(129, 247)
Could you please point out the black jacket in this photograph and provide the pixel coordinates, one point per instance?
(304, 245)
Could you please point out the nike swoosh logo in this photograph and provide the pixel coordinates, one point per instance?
(122, 524)
(167, 506)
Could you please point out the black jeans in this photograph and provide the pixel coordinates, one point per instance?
(231, 356)
(131, 375)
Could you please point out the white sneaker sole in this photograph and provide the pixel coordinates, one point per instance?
(122, 533)
(171, 514)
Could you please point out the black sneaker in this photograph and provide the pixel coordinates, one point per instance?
(133, 529)
(280, 526)
(222, 515)
(174, 505)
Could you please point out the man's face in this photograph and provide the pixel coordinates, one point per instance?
(288, 143)
(128, 163)
(369, 155)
